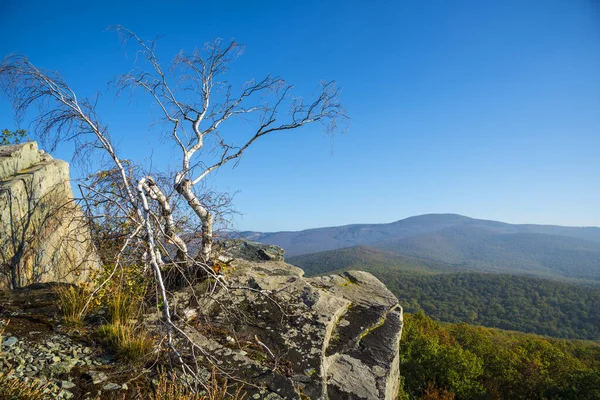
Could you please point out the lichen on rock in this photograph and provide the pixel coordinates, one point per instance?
(333, 337)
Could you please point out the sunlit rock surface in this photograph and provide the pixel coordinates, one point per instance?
(43, 236)
(333, 337)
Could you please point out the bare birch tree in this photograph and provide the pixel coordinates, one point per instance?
(196, 103)
(195, 117)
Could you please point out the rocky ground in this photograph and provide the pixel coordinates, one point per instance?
(36, 347)
(269, 330)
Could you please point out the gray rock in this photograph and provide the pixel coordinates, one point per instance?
(272, 396)
(338, 336)
(111, 386)
(97, 376)
(250, 251)
(351, 376)
(37, 211)
(17, 158)
(364, 355)
(60, 368)
(67, 385)
(10, 341)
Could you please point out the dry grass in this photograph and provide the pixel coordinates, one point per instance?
(170, 387)
(17, 389)
(131, 341)
(123, 307)
(72, 304)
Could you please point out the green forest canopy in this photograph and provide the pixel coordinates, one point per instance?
(520, 303)
(447, 361)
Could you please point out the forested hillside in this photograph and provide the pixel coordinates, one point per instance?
(502, 301)
(365, 258)
(448, 361)
(526, 304)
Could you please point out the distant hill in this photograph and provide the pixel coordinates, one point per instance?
(435, 270)
(366, 259)
(557, 252)
(331, 238)
(533, 254)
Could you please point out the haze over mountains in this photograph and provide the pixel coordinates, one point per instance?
(463, 243)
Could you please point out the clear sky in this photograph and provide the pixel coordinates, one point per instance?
(489, 109)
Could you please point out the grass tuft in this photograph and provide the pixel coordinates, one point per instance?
(72, 304)
(123, 307)
(131, 343)
(16, 389)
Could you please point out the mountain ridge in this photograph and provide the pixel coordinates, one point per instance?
(335, 238)
(550, 251)
(428, 215)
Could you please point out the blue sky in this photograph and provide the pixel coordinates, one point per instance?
(489, 109)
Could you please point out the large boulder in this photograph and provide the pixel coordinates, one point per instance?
(251, 251)
(333, 337)
(43, 236)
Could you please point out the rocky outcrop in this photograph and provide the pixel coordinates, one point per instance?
(334, 337)
(250, 251)
(271, 331)
(42, 232)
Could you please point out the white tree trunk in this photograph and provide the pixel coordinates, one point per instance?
(185, 189)
(154, 192)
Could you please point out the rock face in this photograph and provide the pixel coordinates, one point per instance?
(42, 235)
(362, 358)
(334, 337)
